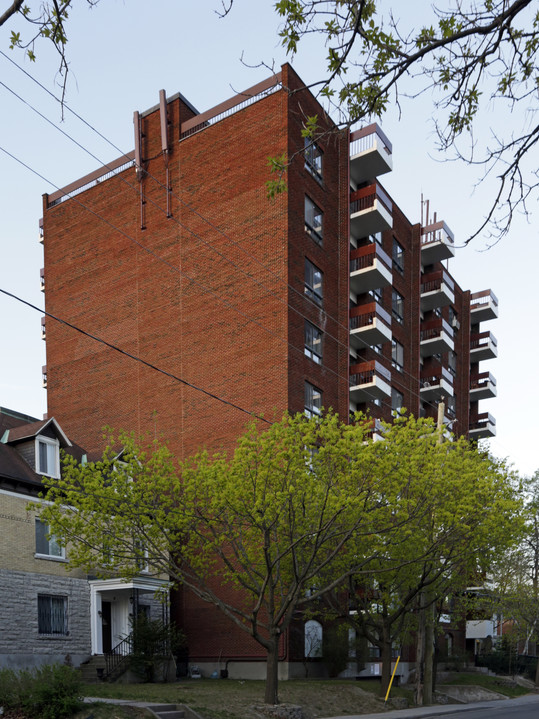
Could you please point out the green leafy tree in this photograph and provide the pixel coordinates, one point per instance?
(266, 533)
(44, 20)
(458, 509)
(471, 57)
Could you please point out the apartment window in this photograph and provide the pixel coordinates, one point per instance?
(313, 282)
(47, 547)
(313, 158)
(52, 614)
(376, 294)
(397, 306)
(397, 400)
(397, 355)
(313, 342)
(313, 220)
(398, 256)
(48, 457)
(452, 362)
(451, 406)
(313, 400)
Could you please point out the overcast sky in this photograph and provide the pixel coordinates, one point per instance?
(121, 54)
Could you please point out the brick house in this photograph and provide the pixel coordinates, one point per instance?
(325, 296)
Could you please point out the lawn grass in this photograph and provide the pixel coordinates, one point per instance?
(502, 685)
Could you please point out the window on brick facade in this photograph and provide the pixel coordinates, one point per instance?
(398, 256)
(313, 158)
(47, 547)
(397, 355)
(451, 406)
(313, 342)
(397, 400)
(52, 614)
(397, 306)
(452, 362)
(313, 400)
(314, 220)
(313, 282)
(313, 639)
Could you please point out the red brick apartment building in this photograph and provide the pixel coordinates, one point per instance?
(326, 296)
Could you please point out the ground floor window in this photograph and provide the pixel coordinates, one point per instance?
(52, 614)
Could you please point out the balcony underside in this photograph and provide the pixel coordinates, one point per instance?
(485, 352)
(437, 298)
(376, 389)
(373, 334)
(483, 430)
(485, 391)
(436, 345)
(369, 278)
(370, 220)
(484, 312)
(437, 251)
(370, 163)
(436, 390)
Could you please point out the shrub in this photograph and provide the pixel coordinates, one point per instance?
(52, 691)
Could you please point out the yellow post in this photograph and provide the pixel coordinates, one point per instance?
(392, 677)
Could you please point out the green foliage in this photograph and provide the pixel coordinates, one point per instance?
(297, 512)
(336, 649)
(52, 691)
(277, 185)
(154, 643)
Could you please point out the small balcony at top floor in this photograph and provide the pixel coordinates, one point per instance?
(436, 337)
(371, 211)
(42, 279)
(437, 243)
(483, 306)
(369, 381)
(483, 346)
(370, 154)
(435, 384)
(370, 268)
(437, 290)
(482, 386)
(370, 325)
(482, 426)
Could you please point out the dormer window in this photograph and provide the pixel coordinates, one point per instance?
(48, 457)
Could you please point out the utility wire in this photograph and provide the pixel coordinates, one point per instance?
(346, 347)
(134, 357)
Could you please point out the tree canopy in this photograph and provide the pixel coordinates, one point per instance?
(292, 515)
(472, 57)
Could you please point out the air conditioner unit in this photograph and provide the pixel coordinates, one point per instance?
(455, 324)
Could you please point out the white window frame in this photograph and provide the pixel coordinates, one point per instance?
(313, 342)
(53, 472)
(55, 551)
(313, 400)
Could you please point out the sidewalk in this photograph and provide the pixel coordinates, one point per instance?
(442, 709)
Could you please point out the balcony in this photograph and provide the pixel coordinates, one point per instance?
(436, 243)
(371, 211)
(370, 268)
(43, 330)
(368, 381)
(44, 376)
(42, 279)
(482, 426)
(437, 290)
(483, 346)
(436, 384)
(483, 306)
(482, 386)
(436, 337)
(370, 325)
(479, 629)
(370, 154)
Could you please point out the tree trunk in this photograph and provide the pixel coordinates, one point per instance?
(419, 657)
(429, 653)
(272, 668)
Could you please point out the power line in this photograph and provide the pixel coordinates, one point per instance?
(134, 357)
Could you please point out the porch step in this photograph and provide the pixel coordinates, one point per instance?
(89, 669)
(167, 711)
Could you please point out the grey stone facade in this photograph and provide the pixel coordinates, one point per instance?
(21, 644)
